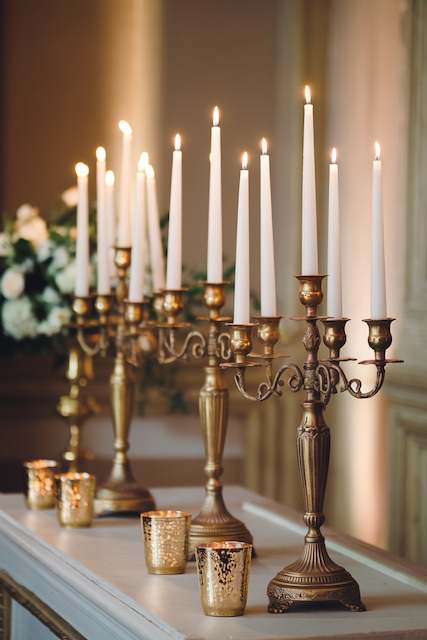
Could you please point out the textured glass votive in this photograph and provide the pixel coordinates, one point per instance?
(75, 494)
(166, 540)
(40, 483)
(223, 569)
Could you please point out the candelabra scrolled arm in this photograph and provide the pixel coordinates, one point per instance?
(223, 350)
(354, 385)
(96, 346)
(274, 383)
(194, 346)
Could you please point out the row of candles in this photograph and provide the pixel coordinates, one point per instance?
(131, 228)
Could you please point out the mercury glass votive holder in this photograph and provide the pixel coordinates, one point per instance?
(166, 540)
(40, 483)
(223, 569)
(75, 496)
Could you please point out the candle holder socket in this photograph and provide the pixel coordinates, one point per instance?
(133, 314)
(241, 341)
(334, 337)
(214, 298)
(173, 304)
(310, 293)
(103, 304)
(81, 308)
(379, 337)
(268, 333)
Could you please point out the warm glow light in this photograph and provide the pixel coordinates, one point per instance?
(149, 171)
(81, 169)
(245, 160)
(334, 155)
(177, 142)
(109, 178)
(377, 151)
(307, 93)
(143, 161)
(215, 117)
(100, 154)
(125, 128)
(264, 146)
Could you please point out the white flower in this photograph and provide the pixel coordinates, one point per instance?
(12, 284)
(50, 296)
(61, 258)
(57, 318)
(69, 197)
(26, 266)
(18, 319)
(34, 230)
(44, 250)
(25, 213)
(66, 278)
(6, 248)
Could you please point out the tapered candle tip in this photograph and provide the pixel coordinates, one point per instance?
(215, 117)
(245, 160)
(377, 151)
(334, 155)
(125, 128)
(264, 146)
(307, 93)
(81, 169)
(143, 161)
(100, 154)
(109, 178)
(177, 142)
(149, 171)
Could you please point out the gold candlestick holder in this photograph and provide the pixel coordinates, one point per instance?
(214, 522)
(113, 330)
(314, 577)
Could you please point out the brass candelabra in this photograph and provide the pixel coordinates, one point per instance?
(314, 577)
(112, 330)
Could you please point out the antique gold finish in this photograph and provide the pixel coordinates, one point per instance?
(241, 342)
(223, 569)
(133, 314)
(158, 299)
(75, 493)
(173, 304)
(75, 407)
(314, 577)
(40, 483)
(214, 521)
(165, 541)
(268, 333)
(81, 308)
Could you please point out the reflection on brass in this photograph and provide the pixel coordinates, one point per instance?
(75, 494)
(314, 577)
(165, 540)
(223, 569)
(120, 494)
(11, 591)
(173, 304)
(40, 483)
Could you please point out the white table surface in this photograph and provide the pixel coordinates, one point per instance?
(96, 578)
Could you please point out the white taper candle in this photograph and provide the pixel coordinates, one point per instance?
(241, 277)
(124, 236)
(102, 263)
(174, 260)
(378, 292)
(137, 267)
(334, 298)
(309, 260)
(155, 237)
(268, 273)
(215, 204)
(111, 219)
(82, 242)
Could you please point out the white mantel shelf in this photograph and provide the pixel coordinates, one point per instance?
(96, 578)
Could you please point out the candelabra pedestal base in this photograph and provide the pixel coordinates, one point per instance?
(123, 498)
(315, 579)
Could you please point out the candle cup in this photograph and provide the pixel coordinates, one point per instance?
(103, 304)
(75, 495)
(158, 300)
(334, 337)
(214, 297)
(133, 314)
(379, 338)
(40, 483)
(241, 341)
(268, 333)
(310, 293)
(173, 304)
(223, 569)
(81, 308)
(166, 541)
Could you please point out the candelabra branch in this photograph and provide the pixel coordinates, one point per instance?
(223, 350)
(194, 346)
(274, 384)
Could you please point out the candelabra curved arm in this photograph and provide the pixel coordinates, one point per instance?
(100, 346)
(223, 351)
(274, 384)
(194, 346)
(354, 385)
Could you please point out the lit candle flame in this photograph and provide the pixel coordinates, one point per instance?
(245, 160)
(125, 128)
(307, 93)
(334, 155)
(81, 169)
(143, 161)
(215, 117)
(149, 171)
(100, 154)
(109, 178)
(177, 142)
(264, 146)
(377, 151)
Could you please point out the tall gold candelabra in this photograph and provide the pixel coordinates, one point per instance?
(314, 577)
(113, 329)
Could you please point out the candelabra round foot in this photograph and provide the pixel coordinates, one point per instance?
(316, 580)
(216, 528)
(123, 499)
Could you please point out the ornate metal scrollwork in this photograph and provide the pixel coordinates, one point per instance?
(274, 385)
(194, 346)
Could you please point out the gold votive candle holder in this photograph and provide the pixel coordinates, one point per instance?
(75, 496)
(166, 540)
(223, 569)
(40, 483)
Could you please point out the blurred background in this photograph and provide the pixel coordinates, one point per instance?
(71, 70)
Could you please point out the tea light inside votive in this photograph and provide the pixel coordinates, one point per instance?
(75, 495)
(40, 483)
(166, 540)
